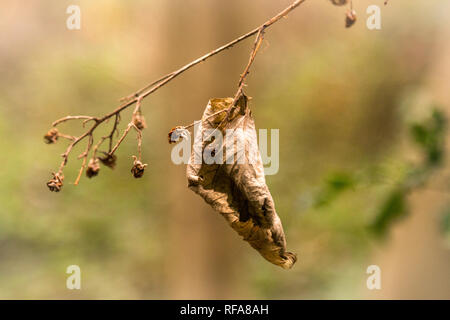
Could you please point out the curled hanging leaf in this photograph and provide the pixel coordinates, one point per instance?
(237, 188)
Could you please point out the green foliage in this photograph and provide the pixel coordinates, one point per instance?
(336, 184)
(429, 135)
(391, 210)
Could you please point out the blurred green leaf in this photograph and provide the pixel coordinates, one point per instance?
(335, 184)
(392, 209)
(430, 136)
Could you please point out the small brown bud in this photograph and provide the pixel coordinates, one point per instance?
(93, 168)
(55, 184)
(350, 18)
(51, 136)
(138, 168)
(339, 2)
(109, 160)
(139, 121)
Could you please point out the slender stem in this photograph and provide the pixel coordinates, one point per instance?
(241, 83)
(139, 138)
(137, 93)
(114, 129)
(66, 136)
(54, 124)
(130, 125)
(169, 77)
(84, 155)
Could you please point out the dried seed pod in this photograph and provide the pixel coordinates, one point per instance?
(350, 18)
(138, 168)
(51, 136)
(139, 121)
(55, 184)
(109, 160)
(93, 168)
(176, 133)
(339, 2)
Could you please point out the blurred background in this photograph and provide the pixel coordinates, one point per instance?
(363, 176)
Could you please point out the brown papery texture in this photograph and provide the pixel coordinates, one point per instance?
(237, 189)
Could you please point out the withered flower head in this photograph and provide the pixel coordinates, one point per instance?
(138, 168)
(139, 121)
(176, 133)
(51, 136)
(350, 18)
(93, 168)
(109, 160)
(55, 184)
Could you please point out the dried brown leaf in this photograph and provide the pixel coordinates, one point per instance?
(237, 189)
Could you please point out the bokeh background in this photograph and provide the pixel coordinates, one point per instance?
(363, 175)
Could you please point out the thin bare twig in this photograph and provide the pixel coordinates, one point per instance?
(84, 156)
(88, 118)
(125, 133)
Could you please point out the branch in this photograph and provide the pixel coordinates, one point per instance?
(138, 96)
(169, 77)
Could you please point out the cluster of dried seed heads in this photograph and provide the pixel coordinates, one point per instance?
(108, 159)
